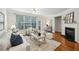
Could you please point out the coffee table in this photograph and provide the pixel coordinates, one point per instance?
(38, 39)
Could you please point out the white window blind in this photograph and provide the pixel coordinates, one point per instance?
(24, 22)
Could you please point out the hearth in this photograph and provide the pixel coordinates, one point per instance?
(70, 34)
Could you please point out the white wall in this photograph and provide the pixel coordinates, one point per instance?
(11, 19)
(53, 24)
(45, 21)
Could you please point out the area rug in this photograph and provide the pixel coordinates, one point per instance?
(50, 45)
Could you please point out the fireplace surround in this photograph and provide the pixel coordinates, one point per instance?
(70, 34)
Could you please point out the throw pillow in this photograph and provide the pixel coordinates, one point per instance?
(15, 40)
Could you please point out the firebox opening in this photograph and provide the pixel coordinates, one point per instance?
(70, 34)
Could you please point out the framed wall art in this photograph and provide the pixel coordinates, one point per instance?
(69, 18)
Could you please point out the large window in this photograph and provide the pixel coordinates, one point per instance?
(1, 21)
(24, 22)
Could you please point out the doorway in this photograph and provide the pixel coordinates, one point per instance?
(58, 24)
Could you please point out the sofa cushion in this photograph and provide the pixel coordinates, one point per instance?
(15, 40)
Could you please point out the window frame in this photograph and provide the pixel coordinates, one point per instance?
(24, 22)
(2, 21)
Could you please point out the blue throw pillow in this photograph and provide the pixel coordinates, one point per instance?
(15, 40)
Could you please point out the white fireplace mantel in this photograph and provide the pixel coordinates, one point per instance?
(75, 26)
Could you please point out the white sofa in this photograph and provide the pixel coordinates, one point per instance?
(6, 46)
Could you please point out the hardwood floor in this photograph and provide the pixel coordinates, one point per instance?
(65, 44)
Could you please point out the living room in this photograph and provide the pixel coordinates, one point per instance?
(29, 21)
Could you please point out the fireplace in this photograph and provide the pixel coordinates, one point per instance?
(70, 34)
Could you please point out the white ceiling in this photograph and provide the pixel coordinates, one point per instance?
(42, 11)
(51, 11)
